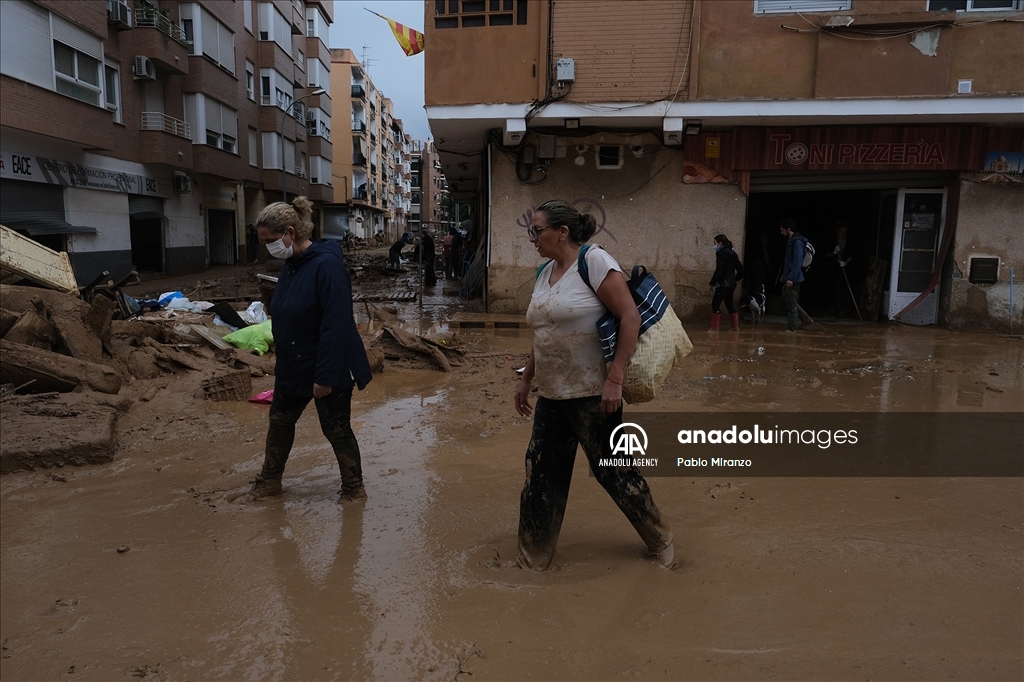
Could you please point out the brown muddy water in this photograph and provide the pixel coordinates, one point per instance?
(809, 579)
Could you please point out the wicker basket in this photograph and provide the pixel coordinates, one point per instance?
(235, 385)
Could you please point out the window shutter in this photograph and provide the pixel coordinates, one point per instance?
(72, 36)
(802, 6)
(213, 115)
(25, 36)
(208, 35)
(227, 47)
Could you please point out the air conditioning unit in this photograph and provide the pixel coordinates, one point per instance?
(182, 184)
(145, 69)
(119, 14)
(310, 115)
(264, 35)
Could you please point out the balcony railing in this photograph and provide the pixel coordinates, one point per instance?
(156, 120)
(358, 126)
(358, 160)
(300, 172)
(359, 194)
(358, 91)
(298, 114)
(148, 16)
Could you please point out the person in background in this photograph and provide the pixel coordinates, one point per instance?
(320, 355)
(429, 256)
(580, 399)
(839, 259)
(728, 270)
(792, 272)
(252, 242)
(395, 252)
(446, 253)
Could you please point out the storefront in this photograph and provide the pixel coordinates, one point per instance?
(895, 190)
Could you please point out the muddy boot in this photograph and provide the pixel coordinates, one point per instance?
(351, 492)
(265, 487)
(734, 322)
(666, 558)
(716, 321)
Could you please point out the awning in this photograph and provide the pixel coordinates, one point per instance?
(44, 226)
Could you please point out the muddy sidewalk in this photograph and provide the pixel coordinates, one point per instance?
(139, 568)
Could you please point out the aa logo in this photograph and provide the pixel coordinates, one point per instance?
(628, 439)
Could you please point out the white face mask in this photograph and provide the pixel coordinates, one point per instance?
(279, 250)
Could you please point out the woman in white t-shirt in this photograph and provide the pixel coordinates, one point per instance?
(580, 399)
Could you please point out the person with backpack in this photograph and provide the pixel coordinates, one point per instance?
(793, 271)
(580, 397)
(728, 270)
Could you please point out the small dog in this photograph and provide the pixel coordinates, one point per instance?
(755, 304)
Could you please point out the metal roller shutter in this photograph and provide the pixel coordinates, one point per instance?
(775, 181)
(36, 209)
(145, 207)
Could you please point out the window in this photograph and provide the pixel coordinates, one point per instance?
(212, 123)
(476, 13)
(250, 80)
(794, 6)
(274, 26)
(318, 123)
(208, 36)
(247, 12)
(317, 25)
(112, 90)
(319, 171)
(271, 151)
(276, 90)
(318, 75)
(609, 156)
(973, 5)
(77, 74)
(253, 161)
(27, 43)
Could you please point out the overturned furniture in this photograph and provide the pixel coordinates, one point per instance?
(23, 258)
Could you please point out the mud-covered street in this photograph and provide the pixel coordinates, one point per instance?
(141, 567)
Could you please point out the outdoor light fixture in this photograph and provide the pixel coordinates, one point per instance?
(693, 127)
(572, 123)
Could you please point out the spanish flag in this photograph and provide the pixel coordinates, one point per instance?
(410, 39)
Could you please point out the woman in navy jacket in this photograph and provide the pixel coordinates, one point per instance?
(320, 355)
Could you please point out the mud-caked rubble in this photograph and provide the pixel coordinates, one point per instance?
(70, 370)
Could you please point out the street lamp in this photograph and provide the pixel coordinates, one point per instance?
(290, 112)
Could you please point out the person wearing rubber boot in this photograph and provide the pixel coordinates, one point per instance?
(320, 355)
(728, 270)
(792, 273)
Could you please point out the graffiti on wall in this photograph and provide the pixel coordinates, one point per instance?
(583, 205)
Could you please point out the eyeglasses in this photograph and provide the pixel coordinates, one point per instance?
(533, 231)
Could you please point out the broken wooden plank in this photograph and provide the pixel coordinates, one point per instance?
(210, 337)
(33, 261)
(415, 343)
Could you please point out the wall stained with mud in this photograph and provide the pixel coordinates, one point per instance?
(648, 215)
(989, 224)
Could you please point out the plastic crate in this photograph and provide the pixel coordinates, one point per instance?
(235, 385)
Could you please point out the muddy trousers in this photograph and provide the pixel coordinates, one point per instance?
(335, 411)
(723, 295)
(559, 426)
(791, 297)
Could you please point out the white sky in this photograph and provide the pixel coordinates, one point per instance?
(397, 76)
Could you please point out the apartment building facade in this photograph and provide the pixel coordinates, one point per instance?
(672, 122)
(371, 194)
(148, 134)
(430, 201)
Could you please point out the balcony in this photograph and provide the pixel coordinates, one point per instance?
(373, 169)
(165, 140)
(359, 195)
(358, 126)
(359, 160)
(300, 172)
(156, 120)
(358, 91)
(160, 40)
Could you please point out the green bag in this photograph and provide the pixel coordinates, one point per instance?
(257, 337)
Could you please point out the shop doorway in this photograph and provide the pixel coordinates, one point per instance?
(818, 216)
(147, 243)
(893, 236)
(222, 237)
